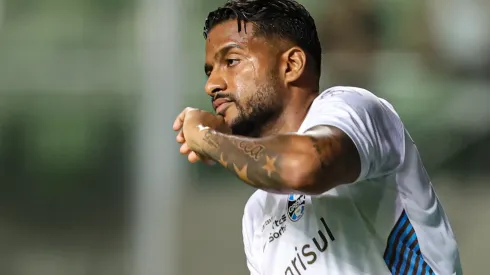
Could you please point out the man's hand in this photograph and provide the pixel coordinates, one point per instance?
(190, 123)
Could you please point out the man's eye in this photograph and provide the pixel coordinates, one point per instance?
(232, 62)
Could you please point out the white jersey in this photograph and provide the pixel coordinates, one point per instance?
(389, 221)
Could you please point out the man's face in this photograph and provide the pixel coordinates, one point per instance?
(243, 79)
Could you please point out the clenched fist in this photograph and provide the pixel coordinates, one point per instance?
(190, 123)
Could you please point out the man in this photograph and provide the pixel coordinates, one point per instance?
(341, 187)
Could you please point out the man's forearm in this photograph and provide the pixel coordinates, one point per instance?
(263, 163)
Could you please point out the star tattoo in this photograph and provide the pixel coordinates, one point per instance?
(270, 165)
(242, 173)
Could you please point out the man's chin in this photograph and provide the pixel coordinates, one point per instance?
(242, 128)
(230, 116)
(228, 120)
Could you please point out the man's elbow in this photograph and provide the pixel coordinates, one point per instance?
(303, 174)
(304, 171)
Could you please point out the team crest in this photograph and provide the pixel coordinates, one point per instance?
(296, 207)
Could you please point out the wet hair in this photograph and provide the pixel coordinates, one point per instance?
(285, 19)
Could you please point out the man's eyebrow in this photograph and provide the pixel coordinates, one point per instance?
(225, 49)
(220, 53)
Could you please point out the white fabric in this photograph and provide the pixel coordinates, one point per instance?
(346, 230)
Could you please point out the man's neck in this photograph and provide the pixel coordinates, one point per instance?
(291, 117)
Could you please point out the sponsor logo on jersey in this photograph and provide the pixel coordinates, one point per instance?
(308, 253)
(296, 207)
(277, 226)
(266, 223)
(274, 223)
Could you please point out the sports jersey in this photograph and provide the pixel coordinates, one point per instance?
(389, 221)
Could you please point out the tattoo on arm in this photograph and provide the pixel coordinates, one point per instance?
(322, 150)
(263, 163)
(337, 154)
(208, 138)
(251, 149)
(253, 162)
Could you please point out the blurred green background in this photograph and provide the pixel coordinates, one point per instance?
(90, 179)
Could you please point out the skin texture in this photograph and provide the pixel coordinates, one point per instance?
(240, 68)
(268, 85)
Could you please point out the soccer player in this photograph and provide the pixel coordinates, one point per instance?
(341, 186)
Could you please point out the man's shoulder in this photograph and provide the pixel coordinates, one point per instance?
(349, 99)
(261, 202)
(346, 91)
(255, 203)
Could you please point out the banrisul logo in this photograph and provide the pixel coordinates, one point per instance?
(306, 254)
(296, 207)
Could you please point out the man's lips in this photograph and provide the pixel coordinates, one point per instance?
(220, 103)
(223, 107)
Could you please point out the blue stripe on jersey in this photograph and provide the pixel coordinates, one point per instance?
(402, 254)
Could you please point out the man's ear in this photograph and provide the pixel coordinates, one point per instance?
(293, 64)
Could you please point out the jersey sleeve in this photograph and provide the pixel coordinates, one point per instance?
(371, 123)
(247, 231)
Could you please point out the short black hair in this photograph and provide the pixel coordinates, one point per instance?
(286, 19)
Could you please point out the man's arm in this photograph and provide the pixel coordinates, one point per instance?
(313, 163)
